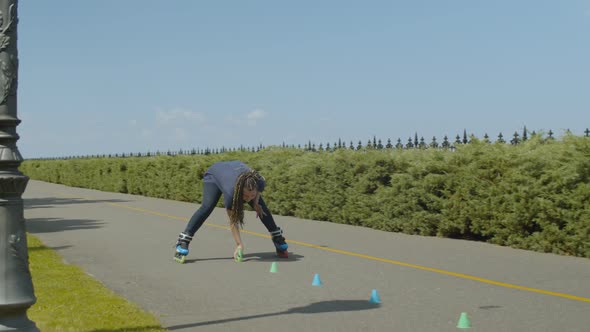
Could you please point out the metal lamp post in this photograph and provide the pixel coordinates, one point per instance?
(16, 286)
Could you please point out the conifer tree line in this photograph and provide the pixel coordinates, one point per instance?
(374, 143)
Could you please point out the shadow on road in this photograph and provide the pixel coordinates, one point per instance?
(270, 256)
(50, 225)
(131, 329)
(41, 248)
(259, 256)
(47, 202)
(207, 259)
(313, 308)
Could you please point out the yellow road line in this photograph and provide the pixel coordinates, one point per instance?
(378, 259)
(383, 260)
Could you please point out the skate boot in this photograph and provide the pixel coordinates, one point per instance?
(182, 247)
(280, 244)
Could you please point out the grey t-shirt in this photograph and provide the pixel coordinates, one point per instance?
(224, 174)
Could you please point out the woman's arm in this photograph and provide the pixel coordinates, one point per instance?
(235, 232)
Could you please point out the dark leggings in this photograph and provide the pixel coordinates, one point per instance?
(211, 195)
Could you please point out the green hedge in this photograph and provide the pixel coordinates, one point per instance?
(535, 195)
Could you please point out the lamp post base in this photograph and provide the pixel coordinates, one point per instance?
(16, 321)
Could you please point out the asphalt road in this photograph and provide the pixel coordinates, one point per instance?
(424, 283)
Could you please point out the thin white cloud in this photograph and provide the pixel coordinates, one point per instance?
(145, 133)
(179, 115)
(254, 116)
(250, 119)
(177, 123)
(180, 134)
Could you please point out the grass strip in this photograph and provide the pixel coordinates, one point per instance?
(68, 299)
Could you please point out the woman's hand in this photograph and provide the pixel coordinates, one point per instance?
(257, 207)
(259, 212)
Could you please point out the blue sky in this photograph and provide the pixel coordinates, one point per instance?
(100, 77)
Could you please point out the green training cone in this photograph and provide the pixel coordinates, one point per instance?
(239, 256)
(464, 322)
(274, 267)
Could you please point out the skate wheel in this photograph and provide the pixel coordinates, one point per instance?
(283, 254)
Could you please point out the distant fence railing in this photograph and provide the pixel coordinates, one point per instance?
(374, 143)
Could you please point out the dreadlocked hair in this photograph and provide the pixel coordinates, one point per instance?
(246, 181)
